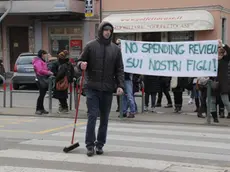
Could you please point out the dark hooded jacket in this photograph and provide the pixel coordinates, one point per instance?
(104, 63)
(222, 75)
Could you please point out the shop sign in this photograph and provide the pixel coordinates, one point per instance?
(153, 26)
(146, 19)
(75, 48)
(89, 8)
(174, 59)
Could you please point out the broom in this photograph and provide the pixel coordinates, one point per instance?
(75, 145)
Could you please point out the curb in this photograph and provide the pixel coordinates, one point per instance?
(123, 120)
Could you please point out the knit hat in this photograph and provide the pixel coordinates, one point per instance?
(63, 54)
(107, 27)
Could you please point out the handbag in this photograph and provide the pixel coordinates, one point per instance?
(214, 85)
(43, 81)
(63, 84)
(174, 82)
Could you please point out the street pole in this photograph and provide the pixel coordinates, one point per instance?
(100, 11)
(7, 11)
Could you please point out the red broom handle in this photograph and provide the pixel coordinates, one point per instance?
(78, 104)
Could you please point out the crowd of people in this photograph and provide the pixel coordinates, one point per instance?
(154, 87)
(102, 61)
(159, 85)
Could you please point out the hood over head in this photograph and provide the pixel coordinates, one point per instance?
(101, 27)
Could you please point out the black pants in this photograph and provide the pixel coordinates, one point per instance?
(178, 99)
(167, 95)
(63, 103)
(153, 99)
(203, 98)
(40, 100)
(98, 103)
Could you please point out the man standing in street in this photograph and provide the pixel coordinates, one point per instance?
(102, 61)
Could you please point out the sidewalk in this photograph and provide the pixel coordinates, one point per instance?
(161, 117)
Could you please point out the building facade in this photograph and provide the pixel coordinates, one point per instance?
(51, 25)
(169, 20)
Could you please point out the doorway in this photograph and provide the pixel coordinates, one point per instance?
(151, 36)
(18, 43)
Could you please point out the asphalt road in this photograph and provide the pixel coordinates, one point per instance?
(29, 144)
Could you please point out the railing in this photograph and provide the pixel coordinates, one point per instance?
(50, 91)
(4, 90)
(74, 92)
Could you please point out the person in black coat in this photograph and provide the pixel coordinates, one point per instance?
(221, 83)
(104, 71)
(63, 68)
(152, 87)
(178, 93)
(165, 88)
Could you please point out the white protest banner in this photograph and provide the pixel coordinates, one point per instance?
(177, 59)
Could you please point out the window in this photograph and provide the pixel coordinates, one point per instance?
(180, 36)
(25, 60)
(61, 38)
(125, 36)
(223, 35)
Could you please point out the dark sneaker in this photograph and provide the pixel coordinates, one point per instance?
(215, 120)
(90, 151)
(66, 110)
(176, 110)
(99, 151)
(45, 112)
(221, 115)
(168, 106)
(38, 112)
(131, 115)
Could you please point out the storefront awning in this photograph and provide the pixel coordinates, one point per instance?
(195, 20)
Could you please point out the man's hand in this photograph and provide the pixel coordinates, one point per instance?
(119, 91)
(51, 73)
(221, 50)
(220, 44)
(83, 65)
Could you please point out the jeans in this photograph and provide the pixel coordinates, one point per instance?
(136, 109)
(194, 93)
(178, 99)
(40, 100)
(98, 104)
(153, 99)
(128, 98)
(225, 100)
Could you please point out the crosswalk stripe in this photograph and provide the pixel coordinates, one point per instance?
(198, 143)
(105, 160)
(141, 150)
(170, 127)
(169, 132)
(27, 169)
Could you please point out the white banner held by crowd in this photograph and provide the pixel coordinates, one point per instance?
(177, 59)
